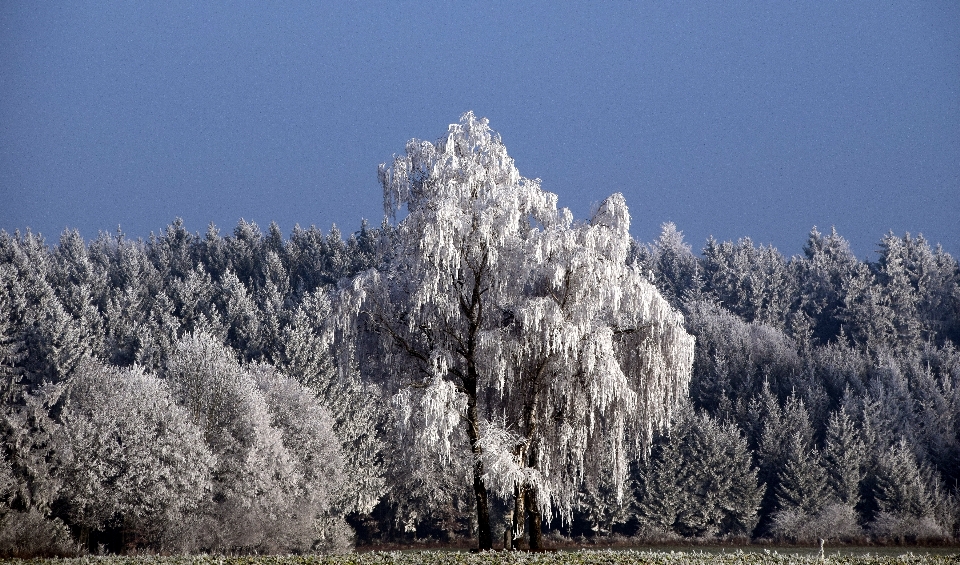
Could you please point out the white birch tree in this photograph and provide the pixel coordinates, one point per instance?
(497, 316)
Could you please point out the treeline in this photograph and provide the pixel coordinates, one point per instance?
(837, 377)
(188, 393)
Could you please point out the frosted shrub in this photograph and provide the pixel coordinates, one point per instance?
(900, 528)
(31, 534)
(835, 522)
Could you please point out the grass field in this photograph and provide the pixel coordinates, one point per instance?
(583, 557)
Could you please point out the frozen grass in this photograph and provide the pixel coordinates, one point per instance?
(582, 557)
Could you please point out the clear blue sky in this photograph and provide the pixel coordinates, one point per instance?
(734, 119)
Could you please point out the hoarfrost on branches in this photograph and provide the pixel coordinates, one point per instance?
(499, 316)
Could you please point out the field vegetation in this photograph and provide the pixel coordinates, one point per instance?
(580, 557)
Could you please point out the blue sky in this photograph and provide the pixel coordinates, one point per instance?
(730, 119)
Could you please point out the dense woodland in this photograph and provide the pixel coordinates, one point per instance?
(211, 392)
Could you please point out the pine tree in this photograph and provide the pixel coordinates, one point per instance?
(752, 282)
(675, 269)
(701, 481)
(899, 486)
(844, 457)
(660, 499)
(12, 346)
(787, 435)
(824, 273)
(801, 478)
(172, 252)
(903, 280)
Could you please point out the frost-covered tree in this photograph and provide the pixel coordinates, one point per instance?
(787, 436)
(844, 458)
(675, 269)
(906, 496)
(55, 340)
(496, 316)
(700, 481)
(753, 282)
(12, 346)
(307, 435)
(278, 463)
(823, 274)
(898, 483)
(735, 360)
(801, 479)
(134, 461)
(304, 354)
(593, 362)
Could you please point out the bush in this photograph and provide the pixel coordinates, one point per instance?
(897, 528)
(835, 522)
(31, 534)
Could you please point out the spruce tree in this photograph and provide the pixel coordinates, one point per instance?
(700, 481)
(845, 457)
(899, 486)
(801, 479)
(660, 498)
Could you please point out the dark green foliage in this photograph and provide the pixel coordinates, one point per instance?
(794, 477)
(898, 484)
(801, 479)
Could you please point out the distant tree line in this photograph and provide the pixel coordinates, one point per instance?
(828, 383)
(185, 393)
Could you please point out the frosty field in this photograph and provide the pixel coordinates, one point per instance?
(583, 557)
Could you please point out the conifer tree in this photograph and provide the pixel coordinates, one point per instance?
(700, 481)
(801, 478)
(899, 486)
(676, 271)
(823, 274)
(844, 457)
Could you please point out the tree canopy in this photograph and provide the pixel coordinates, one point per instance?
(501, 317)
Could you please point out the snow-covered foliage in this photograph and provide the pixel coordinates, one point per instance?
(489, 342)
(132, 457)
(278, 462)
(500, 317)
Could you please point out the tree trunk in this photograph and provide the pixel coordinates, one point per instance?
(536, 520)
(484, 534)
(519, 516)
(474, 313)
(529, 457)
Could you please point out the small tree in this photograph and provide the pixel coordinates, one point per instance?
(700, 481)
(845, 458)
